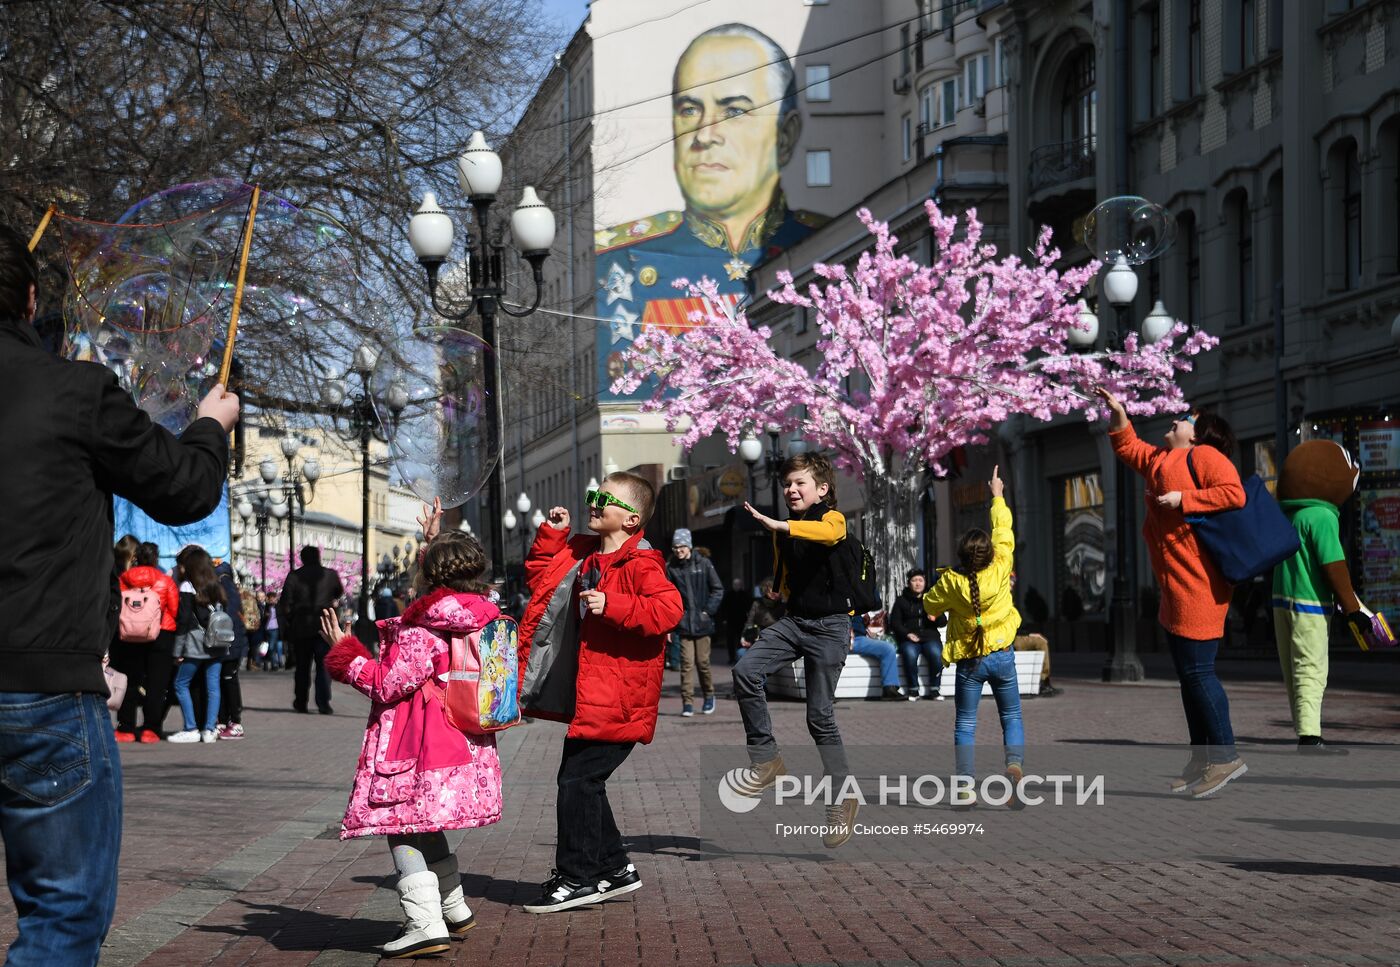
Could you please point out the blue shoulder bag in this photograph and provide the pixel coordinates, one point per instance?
(1247, 542)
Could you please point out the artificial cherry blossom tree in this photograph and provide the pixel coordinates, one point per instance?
(914, 361)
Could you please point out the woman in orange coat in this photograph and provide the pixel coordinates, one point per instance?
(1195, 595)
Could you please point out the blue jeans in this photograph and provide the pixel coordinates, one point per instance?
(211, 670)
(61, 819)
(883, 650)
(909, 652)
(1203, 698)
(274, 648)
(998, 668)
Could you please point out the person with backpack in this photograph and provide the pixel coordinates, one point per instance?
(203, 636)
(418, 775)
(1195, 595)
(816, 584)
(701, 591)
(146, 633)
(981, 639)
(308, 591)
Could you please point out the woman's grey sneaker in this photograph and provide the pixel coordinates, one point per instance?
(840, 821)
(1193, 773)
(562, 893)
(618, 882)
(752, 781)
(1216, 775)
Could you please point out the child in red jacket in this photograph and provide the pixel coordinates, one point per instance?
(591, 650)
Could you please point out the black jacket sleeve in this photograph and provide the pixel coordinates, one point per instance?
(174, 480)
(896, 621)
(716, 589)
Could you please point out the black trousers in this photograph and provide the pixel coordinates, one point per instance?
(308, 650)
(589, 843)
(230, 693)
(147, 665)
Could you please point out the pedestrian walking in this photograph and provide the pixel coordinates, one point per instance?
(418, 775)
(200, 642)
(815, 628)
(701, 591)
(981, 640)
(1195, 595)
(308, 591)
(917, 636)
(74, 438)
(272, 631)
(591, 649)
(147, 663)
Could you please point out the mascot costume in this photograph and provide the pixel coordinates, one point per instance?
(1318, 477)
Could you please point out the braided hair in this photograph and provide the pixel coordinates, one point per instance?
(975, 553)
(452, 560)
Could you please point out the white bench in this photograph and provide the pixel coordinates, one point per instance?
(861, 678)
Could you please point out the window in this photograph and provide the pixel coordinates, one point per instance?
(1079, 103)
(1275, 198)
(1154, 62)
(1195, 68)
(818, 82)
(950, 101)
(1192, 250)
(1248, 25)
(907, 136)
(928, 111)
(999, 62)
(1274, 24)
(1081, 577)
(803, 319)
(1244, 257)
(1351, 213)
(904, 44)
(925, 17)
(974, 80)
(819, 168)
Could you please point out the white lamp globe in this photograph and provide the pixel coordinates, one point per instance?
(1158, 324)
(1121, 283)
(750, 449)
(430, 231)
(1085, 332)
(479, 168)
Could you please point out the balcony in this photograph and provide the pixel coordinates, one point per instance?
(1060, 164)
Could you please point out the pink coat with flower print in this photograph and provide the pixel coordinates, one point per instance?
(417, 774)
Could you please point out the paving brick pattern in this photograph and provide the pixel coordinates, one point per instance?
(230, 856)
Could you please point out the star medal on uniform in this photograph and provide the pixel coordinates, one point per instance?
(737, 269)
(624, 325)
(618, 284)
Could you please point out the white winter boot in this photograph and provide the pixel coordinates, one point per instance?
(455, 911)
(425, 932)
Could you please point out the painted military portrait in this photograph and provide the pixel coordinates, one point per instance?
(735, 124)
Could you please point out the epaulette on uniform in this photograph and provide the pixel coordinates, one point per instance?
(641, 230)
(810, 219)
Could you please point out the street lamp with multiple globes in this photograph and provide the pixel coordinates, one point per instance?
(362, 423)
(532, 227)
(293, 494)
(257, 507)
(751, 452)
(522, 504)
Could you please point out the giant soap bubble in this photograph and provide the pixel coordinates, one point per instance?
(1128, 225)
(152, 295)
(443, 439)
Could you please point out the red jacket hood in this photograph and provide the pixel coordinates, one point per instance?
(143, 576)
(454, 612)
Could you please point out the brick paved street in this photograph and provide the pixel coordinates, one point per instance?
(230, 853)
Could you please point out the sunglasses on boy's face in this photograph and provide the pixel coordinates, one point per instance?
(601, 499)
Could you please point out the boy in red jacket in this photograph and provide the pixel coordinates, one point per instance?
(591, 646)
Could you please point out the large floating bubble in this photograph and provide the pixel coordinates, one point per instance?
(1128, 225)
(152, 296)
(444, 441)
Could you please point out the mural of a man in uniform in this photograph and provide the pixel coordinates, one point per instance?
(735, 124)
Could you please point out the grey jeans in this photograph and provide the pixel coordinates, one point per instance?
(822, 644)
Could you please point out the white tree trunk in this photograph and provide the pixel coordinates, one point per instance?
(892, 502)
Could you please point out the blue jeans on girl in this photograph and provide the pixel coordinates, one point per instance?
(998, 668)
(211, 670)
(1203, 698)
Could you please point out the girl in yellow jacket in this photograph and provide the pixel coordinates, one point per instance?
(982, 624)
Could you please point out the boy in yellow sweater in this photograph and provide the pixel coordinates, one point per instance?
(982, 625)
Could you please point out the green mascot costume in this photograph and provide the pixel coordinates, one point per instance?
(1318, 477)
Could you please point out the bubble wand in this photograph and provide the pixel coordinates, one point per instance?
(39, 232)
(238, 289)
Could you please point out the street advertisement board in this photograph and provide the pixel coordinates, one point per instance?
(1380, 549)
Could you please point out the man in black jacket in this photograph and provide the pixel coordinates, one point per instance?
(73, 438)
(307, 591)
(917, 634)
(701, 591)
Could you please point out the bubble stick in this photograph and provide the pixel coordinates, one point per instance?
(238, 289)
(39, 232)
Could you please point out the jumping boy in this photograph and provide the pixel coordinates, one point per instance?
(591, 647)
(816, 628)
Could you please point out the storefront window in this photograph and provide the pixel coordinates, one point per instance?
(1081, 578)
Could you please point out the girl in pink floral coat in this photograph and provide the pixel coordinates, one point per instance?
(417, 775)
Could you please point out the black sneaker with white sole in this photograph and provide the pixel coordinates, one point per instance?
(562, 893)
(618, 882)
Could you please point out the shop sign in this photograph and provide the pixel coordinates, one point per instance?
(1380, 447)
(714, 492)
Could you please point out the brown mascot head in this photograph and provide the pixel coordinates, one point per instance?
(1318, 470)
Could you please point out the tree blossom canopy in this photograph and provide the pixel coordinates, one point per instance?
(914, 361)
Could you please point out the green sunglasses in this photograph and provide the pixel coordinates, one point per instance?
(601, 500)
